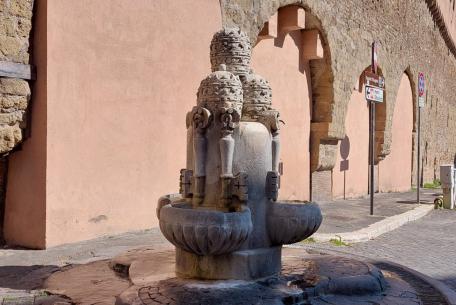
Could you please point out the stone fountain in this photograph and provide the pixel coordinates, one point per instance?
(227, 221)
(227, 224)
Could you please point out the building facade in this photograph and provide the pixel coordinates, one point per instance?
(96, 138)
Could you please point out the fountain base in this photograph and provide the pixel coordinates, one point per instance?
(241, 265)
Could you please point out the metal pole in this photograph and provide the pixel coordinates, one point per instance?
(418, 169)
(418, 157)
(372, 155)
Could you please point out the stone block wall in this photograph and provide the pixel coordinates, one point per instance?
(15, 28)
(410, 41)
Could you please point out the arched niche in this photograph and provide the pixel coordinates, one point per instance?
(401, 148)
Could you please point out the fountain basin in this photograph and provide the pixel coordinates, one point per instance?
(289, 223)
(205, 232)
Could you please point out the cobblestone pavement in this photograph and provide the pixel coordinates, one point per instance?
(427, 245)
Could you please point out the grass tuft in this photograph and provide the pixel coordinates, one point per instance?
(338, 242)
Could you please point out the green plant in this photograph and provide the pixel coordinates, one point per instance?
(338, 242)
(309, 240)
(432, 185)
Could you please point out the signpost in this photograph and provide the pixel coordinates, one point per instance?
(375, 86)
(421, 102)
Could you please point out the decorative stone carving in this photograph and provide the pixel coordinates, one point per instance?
(257, 96)
(205, 232)
(272, 185)
(220, 90)
(165, 200)
(233, 225)
(185, 183)
(240, 187)
(289, 223)
(257, 108)
(232, 48)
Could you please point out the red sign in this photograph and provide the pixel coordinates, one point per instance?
(371, 79)
(421, 84)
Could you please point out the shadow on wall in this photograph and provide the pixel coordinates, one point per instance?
(279, 56)
(297, 39)
(345, 162)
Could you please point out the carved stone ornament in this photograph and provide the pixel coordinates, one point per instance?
(201, 117)
(205, 232)
(270, 118)
(257, 95)
(221, 89)
(232, 48)
(229, 117)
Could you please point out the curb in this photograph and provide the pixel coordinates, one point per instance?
(376, 229)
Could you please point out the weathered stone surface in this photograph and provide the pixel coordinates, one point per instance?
(21, 8)
(15, 27)
(14, 99)
(94, 283)
(290, 223)
(13, 86)
(7, 26)
(205, 232)
(244, 264)
(10, 47)
(9, 137)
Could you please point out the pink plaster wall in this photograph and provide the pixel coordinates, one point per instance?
(278, 60)
(396, 170)
(357, 131)
(120, 77)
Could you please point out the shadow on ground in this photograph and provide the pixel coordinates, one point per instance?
(25, 277)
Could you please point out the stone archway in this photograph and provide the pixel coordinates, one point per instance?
(291, 53)
(350, 175)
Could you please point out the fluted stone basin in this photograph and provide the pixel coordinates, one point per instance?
(205, 232)
(290, 223)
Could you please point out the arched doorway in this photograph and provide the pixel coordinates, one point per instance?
(390, 178)
(282, 62)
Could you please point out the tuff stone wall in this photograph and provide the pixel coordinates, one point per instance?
(409, 42)
(15, 27)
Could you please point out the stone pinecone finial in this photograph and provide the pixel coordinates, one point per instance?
(257, 90)
(232, 48)
(220, 89)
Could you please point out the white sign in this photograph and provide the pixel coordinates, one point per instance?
(374, 94)
(421, 101)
